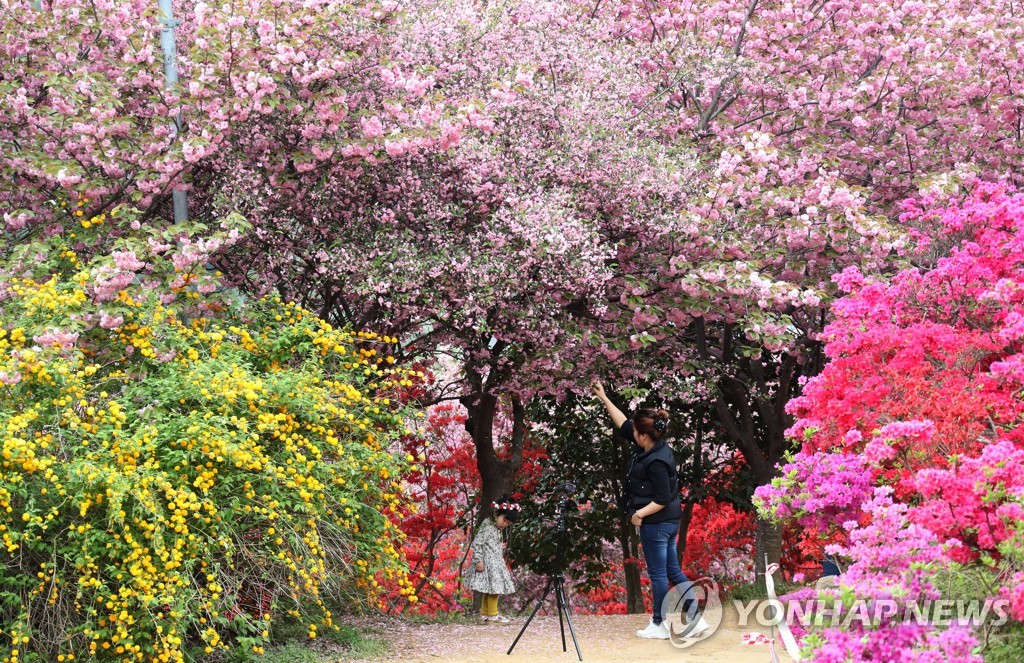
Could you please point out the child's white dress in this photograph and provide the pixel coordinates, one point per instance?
(489, 549)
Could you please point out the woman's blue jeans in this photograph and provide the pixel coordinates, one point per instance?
(659, 544)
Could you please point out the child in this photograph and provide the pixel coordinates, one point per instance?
(489, 574)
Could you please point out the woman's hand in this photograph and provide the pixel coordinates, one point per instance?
(617, 417)
(479, 567)
(637, 520)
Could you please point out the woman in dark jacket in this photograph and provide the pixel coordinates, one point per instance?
(652, 501)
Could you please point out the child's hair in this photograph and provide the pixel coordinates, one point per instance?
(508, 507)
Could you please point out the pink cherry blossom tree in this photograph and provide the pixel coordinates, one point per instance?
(84, 106)
(853, 102)
(539, 190)
(500, 251)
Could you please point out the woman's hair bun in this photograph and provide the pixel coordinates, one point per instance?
(661, 421)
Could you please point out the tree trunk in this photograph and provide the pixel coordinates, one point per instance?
(768, 541)
(480, 426)
(684, 528)
(751, 406)
(495, 474)
(630, 551)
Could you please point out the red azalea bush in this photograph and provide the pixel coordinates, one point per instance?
(439, 490)
(608, 596)
(720, 543)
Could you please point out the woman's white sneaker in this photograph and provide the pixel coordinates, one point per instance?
(697, 629)
(654, 632)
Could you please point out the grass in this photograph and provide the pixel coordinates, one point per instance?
(756, 590)
(292, 653)
(357, 644)
(1006, 644)
(348, 644)
(1003, 644)
(345, 644)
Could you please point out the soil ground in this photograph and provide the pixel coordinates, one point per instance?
(603, 639)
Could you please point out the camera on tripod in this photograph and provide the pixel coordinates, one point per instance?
(568, 488)
(563, 494)
(566, 494)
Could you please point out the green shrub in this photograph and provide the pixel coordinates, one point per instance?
(177, 470)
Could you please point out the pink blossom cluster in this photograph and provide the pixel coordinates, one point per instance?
(896, 642)
(890, 554)
(988, 491)
(1013, 591)
(109, 281)
(108, 321)
(56, 338)
(819, 489)
(127, 261)
(10, 378)
(877, 86)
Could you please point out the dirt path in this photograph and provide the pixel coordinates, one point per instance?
(603, 639)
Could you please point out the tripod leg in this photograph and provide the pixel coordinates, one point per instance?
(563, 606)
(558, 602)
(540, 602)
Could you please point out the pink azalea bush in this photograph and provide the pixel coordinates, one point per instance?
(912, 458)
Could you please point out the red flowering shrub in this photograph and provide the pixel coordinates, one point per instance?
(720, 543)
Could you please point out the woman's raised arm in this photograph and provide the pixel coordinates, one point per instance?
(615, 413)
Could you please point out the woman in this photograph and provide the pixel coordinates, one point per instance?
(652, 502)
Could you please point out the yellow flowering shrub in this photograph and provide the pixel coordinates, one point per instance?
(171, 482)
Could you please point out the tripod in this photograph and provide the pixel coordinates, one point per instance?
(556, 581)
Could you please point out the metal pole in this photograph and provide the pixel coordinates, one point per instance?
(171, 77)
